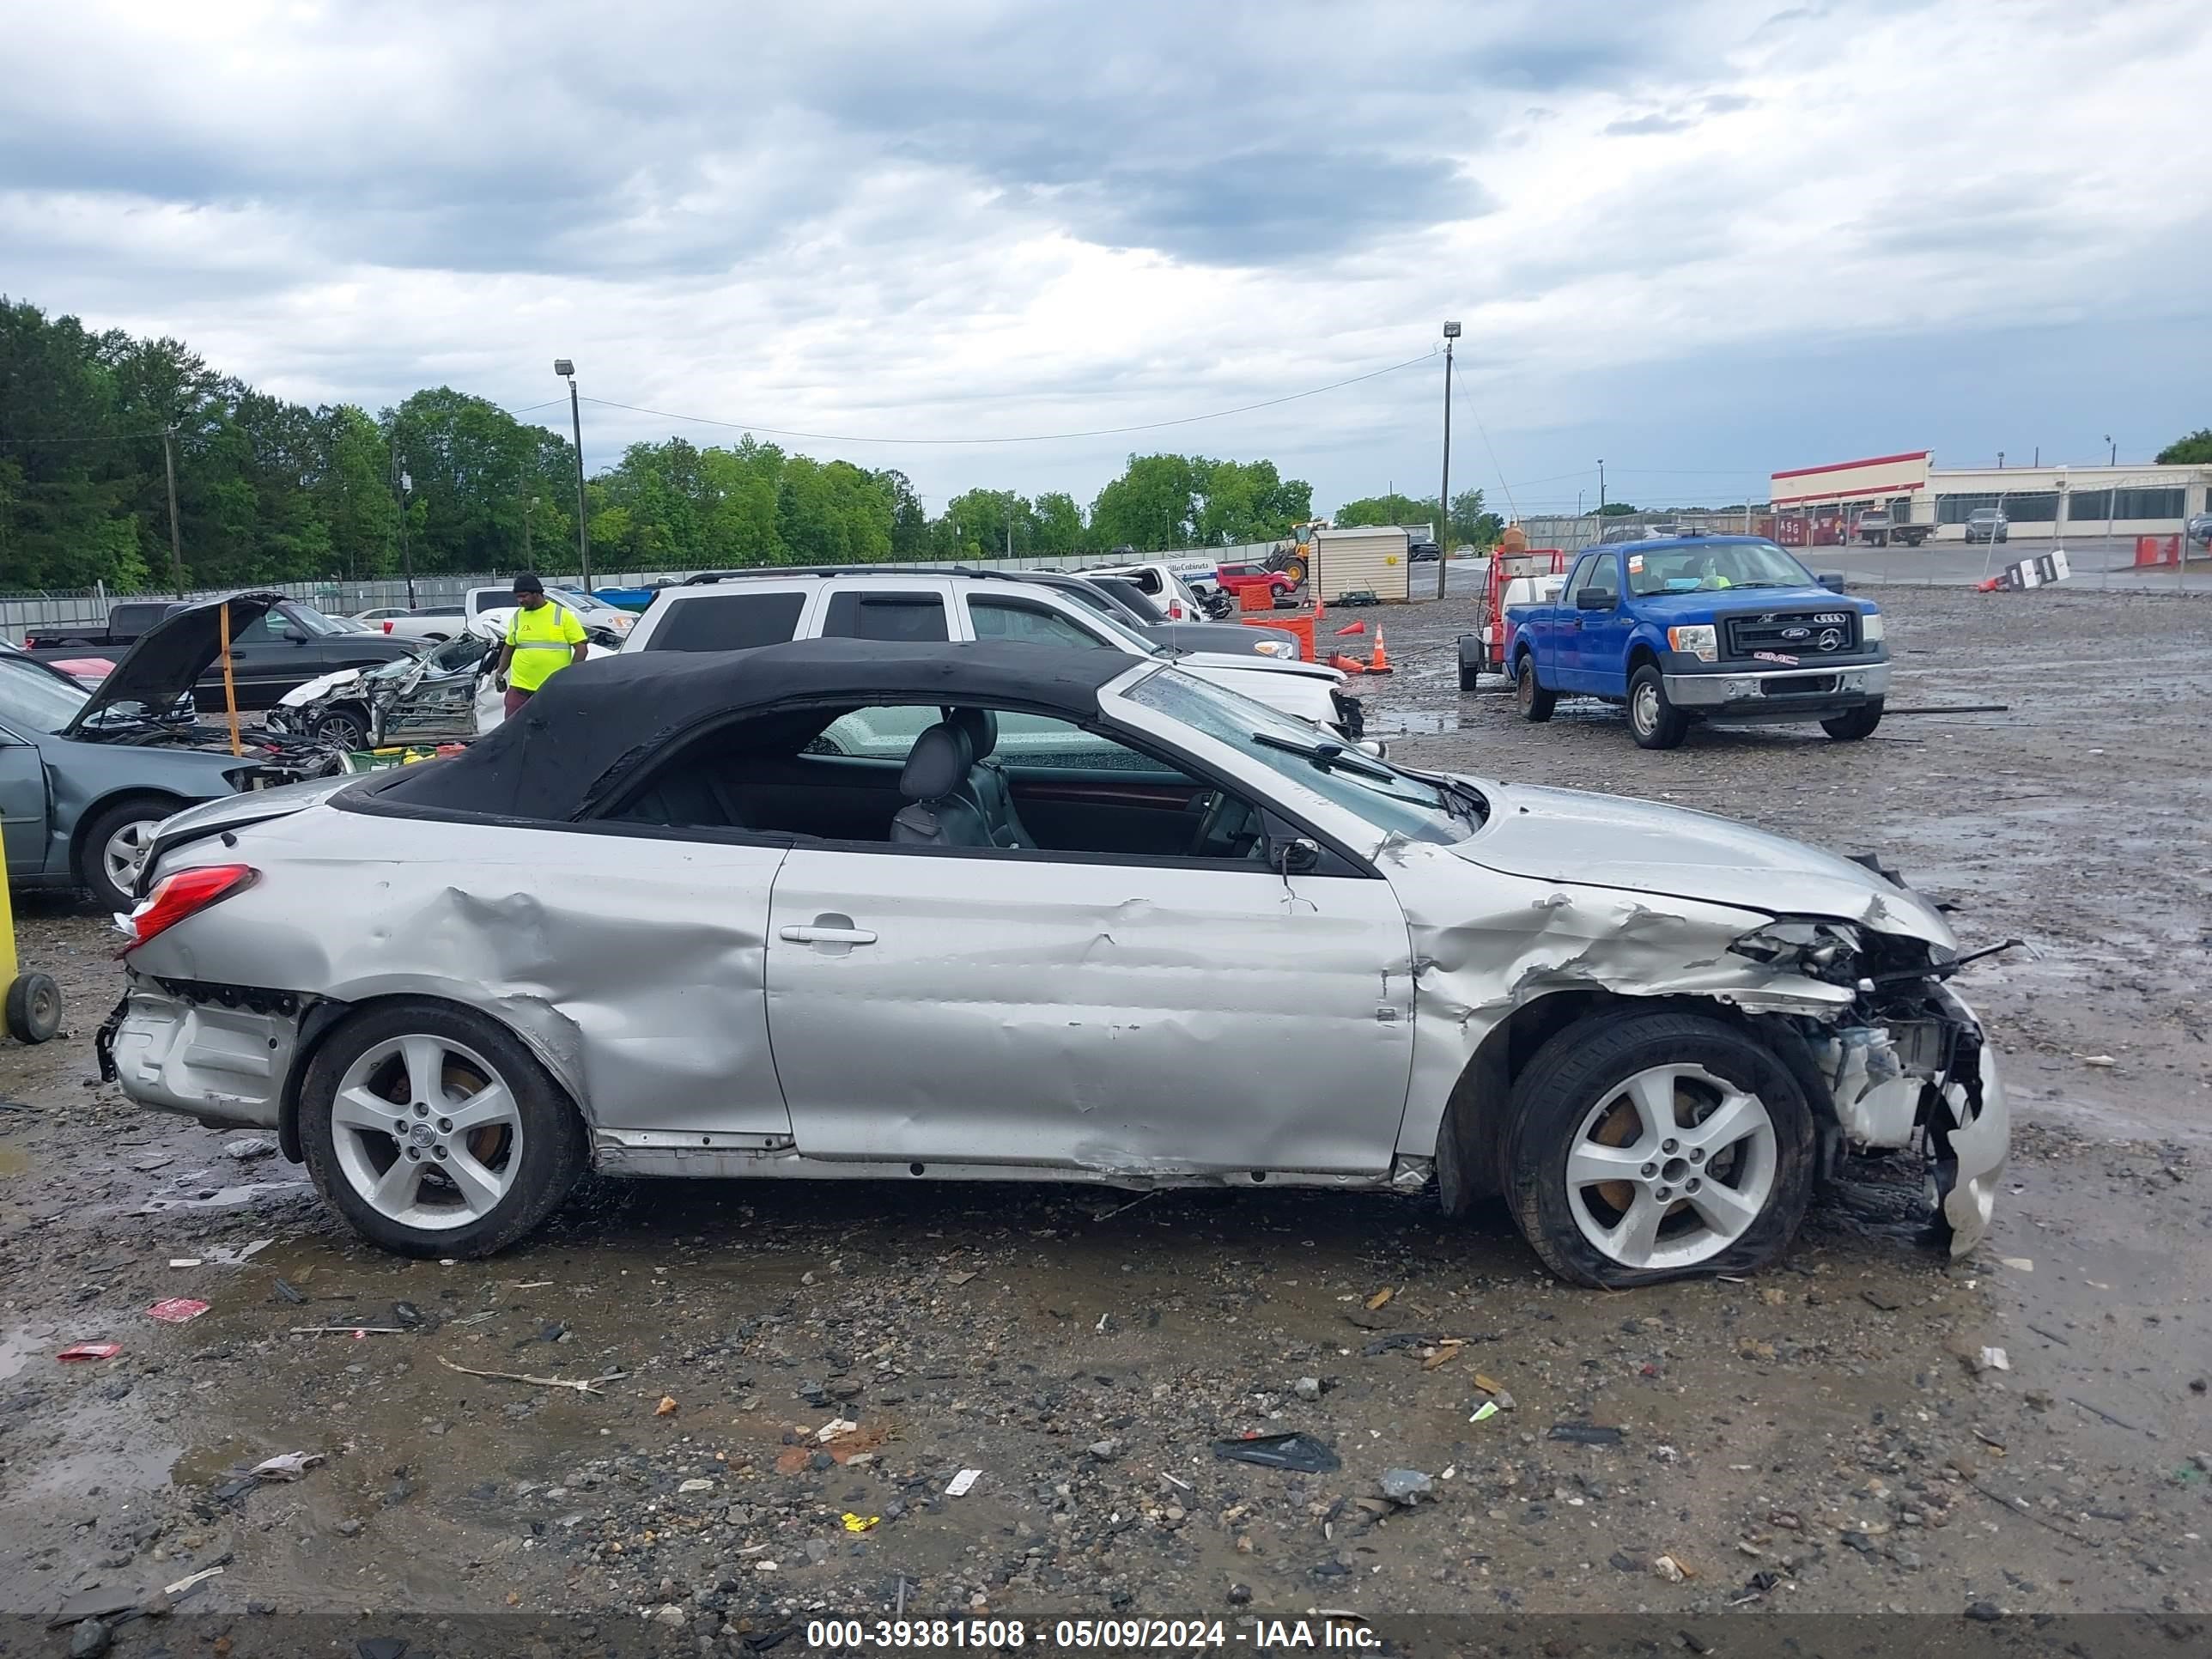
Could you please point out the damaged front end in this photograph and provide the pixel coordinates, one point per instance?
(1905, 1061)
(267, 759)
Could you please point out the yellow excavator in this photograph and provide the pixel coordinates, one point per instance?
(1294, 557)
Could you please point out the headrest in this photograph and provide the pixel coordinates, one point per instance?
(980, 724)
(937, 764)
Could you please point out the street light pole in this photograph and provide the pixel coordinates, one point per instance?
(2113, 458)
(406, 554)
(1601, 493)
(176, 542)
(562, 367)
(1443, 492)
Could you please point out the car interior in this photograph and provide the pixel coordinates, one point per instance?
(951, 776)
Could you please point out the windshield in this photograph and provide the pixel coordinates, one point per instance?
(308, 620)
(33, 698)
(1713, 565)
(1125, 636)
(583, 602)
(1394, 801)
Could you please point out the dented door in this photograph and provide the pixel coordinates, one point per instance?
(1117, 1017)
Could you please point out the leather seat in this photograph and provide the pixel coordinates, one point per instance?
(986, 782)
(939, 810)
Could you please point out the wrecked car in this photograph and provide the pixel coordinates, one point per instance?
(686, 916)
(86, 774)
(445, 696)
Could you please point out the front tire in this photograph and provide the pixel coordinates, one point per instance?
(1643, 1147)
(1535, 703)
(1653, 721)
(114, 846)
(344, 727)
(1855, 724)
(436, 1131)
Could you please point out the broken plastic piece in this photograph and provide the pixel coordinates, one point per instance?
(176, 1309)
(1995, 1359)
(286, 1465)
(1585, 1434)
(836, 1429)
(1485, 1411)
(1300, 1453)
(859, 1522)
(77, 1351)
(961, 1483)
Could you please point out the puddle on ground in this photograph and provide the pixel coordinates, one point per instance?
(17, 1350)
(220, 1198)
(1413, 723)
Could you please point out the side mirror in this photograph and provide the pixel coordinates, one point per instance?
(1830, 579)
(1589, 599)
(1294, 856)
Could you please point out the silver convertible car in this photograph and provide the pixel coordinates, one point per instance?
(1003, 911)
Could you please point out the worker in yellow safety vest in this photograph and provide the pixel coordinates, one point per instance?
(543, 638)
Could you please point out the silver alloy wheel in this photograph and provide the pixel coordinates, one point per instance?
(1680, 1163)
(125, 852)
(1646, 708)
(427, 1131)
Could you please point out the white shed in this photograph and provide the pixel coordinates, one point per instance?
(1372, 557)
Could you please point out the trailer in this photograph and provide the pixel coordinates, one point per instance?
(1515, 579)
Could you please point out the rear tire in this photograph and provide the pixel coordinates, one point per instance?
(113, 846)
(436, 1131)
(1535, 703)
(1653, 721)
(34, 1008)
(1737, 1123)
(1857, 723)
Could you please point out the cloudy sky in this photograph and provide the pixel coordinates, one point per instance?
(1701, 239)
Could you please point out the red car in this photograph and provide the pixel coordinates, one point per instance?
(1236, 578)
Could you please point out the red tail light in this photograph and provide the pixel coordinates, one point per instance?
(185, 894)
(387, 624)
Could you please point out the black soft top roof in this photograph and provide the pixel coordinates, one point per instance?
(582, 734)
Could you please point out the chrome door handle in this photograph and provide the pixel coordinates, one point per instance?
(827, 935)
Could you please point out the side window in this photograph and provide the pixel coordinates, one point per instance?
(729, 622)
(264, 627)
(1575, 576)
(1030, 623)
(888, 733)
(858, 615)
(1601, 577)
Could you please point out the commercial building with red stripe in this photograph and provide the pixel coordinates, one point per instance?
(2036, 500)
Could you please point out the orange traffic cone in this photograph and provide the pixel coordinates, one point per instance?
(1346, 665)
(1380, 663)
(1352, 628)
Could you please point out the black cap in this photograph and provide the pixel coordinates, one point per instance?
(525, 582)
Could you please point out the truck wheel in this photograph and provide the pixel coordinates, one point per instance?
(1649, 1146)
(1535, 703)
(1653, 721)
(1858, 723)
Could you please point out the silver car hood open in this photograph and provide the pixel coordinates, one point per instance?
(1610, 840)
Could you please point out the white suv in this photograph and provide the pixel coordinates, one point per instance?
(736, 612)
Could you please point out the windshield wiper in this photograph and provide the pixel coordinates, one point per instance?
(1329, 756)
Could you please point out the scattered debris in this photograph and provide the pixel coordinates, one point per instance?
(1299, 1453)
(697, 1483)
(186, 1261)
(2096, 1060)
(176, 1309)
(961, 1484)
(1380, 1298)
(836, 1429)
(1485, 1411)
(286, 1465)
(1407, 1487)
(2021, 1263)
(347, 1330)
(81, 1351)
(407, 1316)
(589, 1386)
(960, 1278)
(2116, 1422)
(1993, 1359)
(291, 1293)
(1877, 1299)
(1105, 1451)
(665, 1408)
(191, 1579)
(1585, 1434)
(1307, 1388)
(2053, 1336)
(247, 1148)
(857, 1523)
(1673, 1571)
(1447, 1351)
(95, 1603)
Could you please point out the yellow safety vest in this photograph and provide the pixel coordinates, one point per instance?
(545, 641)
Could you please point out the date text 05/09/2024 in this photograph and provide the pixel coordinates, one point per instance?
(1089, 1635)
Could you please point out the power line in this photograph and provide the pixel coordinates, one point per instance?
(1024, 438)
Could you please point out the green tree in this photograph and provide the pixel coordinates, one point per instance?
(909, 519)
(1466, 516)
(1392, 508)
(2195, 450)
(995, 522)
(1151, 506)
(1618, 509)
(1060, 526)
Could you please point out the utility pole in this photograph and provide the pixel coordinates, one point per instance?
(528, 507)
(1444, 495)
(2113, 459)
(1601, 495)
(561, 366)
(176, 541)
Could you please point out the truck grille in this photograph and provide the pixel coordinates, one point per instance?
(1809, 635)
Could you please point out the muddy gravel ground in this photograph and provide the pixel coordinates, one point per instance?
(1833, 1435)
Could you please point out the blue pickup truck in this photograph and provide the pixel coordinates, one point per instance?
(1726, 629)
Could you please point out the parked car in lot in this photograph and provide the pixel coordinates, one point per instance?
(1167, 587)
(1879, 527)
(2199, 530)
(1988, 523)
(427, 622)
(1726, 629)
(996, 911)
(286, 644)
(1128, 604)
(768, 606)
(1234, 578)
(85, 775)
(603, 623)
(1424, 552)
